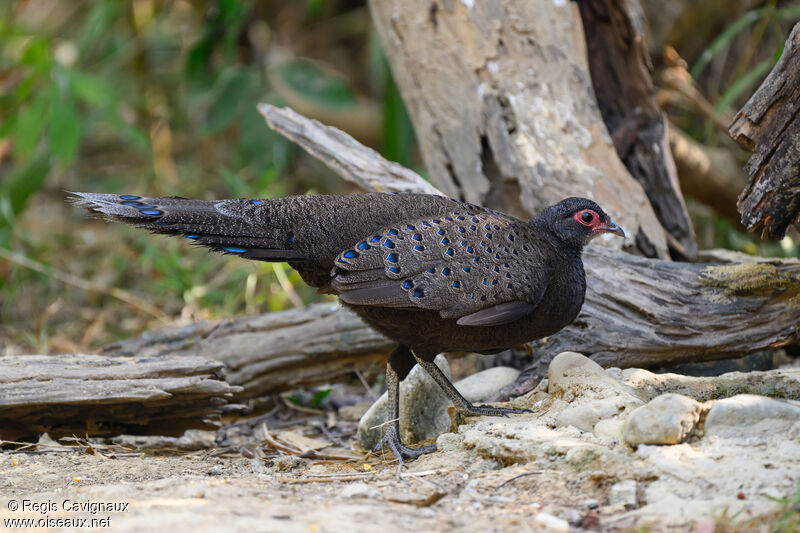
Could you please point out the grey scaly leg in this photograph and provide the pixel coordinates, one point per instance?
(392, 436)
(461, 404)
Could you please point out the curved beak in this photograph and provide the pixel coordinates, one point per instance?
(609, 227)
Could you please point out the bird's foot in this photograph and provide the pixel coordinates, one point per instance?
(400, 450)
(489, 410)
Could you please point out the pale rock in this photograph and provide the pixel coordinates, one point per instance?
(593, 395)
(449, 442)
(667, 419)
(609, 429)
(551, 523)
(423, 404)
(623, 493)
(747, 409)
(356, 490)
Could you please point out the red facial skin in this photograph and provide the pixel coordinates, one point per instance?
(590, 219)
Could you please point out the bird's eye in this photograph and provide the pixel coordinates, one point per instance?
(587, 216)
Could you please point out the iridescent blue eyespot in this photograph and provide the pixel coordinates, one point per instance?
(510, 237)
(410, 227)
(494, 282)
(417, 237)
(508, 276)
(407, 284)
(446, 271)
(291, 237)
(474, 259)
(435, 221)
(129, 197)
(430, 270)
(151, 212)
(473, 228)
(235, 250)
(394, 270)
(388, 243)
(192, 236)
(425, 224)
(456, 284)
(484, 281)
(459, 217)
(146, 207)
(488, 250)
(376, 238)
(445, 241)
(392, 232)
(419, 293)
(463, 243)
(487, 226)
(470, 249)
(392, 258)
(419, 247)
(448, 219)
(488, 235)
(256, 202)
(461, 230)
(350, 254)
(440, 232)
(474, 219)
(363, 246)
(466, 269)
(132, 204)
(449, 251)
(496, 226)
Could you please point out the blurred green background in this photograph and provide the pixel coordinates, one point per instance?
(158, 98)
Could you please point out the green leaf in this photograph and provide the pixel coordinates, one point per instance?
(304, 79)
(731, 31)
(28, 128)
(227, 101)
(20, 183)
(319, 397)
(92, 90)
(65, 129)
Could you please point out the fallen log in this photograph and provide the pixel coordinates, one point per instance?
(100, 396)
(769, 126)
(274, 352)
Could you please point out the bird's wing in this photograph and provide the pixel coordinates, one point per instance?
(479, 267)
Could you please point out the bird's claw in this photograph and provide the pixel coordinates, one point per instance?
(488, 410)
(401, 451)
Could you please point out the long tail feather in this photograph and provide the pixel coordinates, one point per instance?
(241, 227)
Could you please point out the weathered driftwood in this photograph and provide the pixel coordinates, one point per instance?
(272, 352)
(769, 126)
(95, 395)
(646, 312)
(620, 66)
(502, 103)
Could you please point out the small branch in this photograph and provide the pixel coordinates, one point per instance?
(344, 155)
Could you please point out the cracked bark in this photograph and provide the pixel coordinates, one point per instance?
(769, 126)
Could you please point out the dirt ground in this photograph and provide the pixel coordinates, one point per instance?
(192, 493)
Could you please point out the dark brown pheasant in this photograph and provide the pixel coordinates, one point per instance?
(432, 273)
